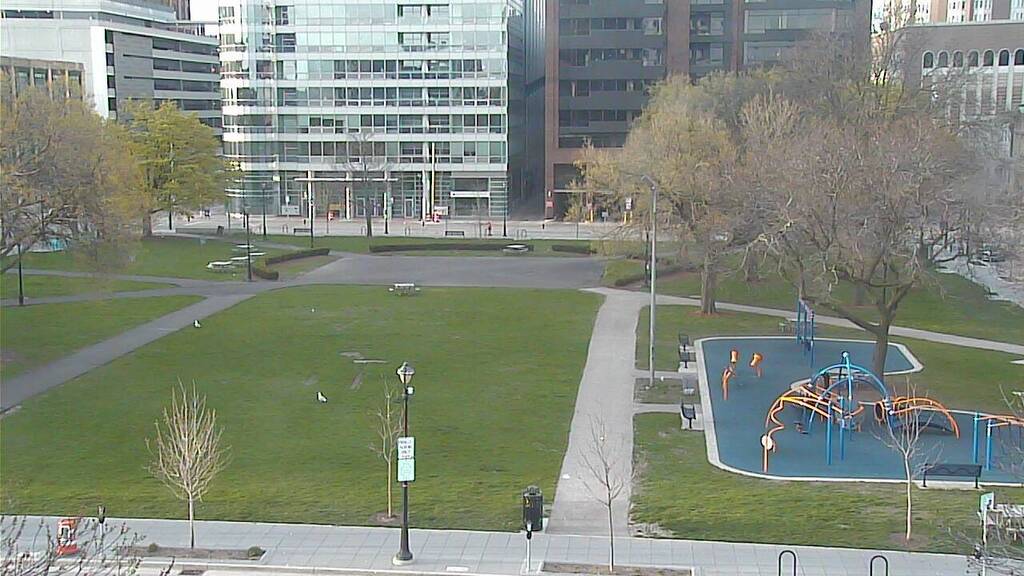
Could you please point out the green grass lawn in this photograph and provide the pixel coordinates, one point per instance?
(944, 303)
(681, 492)
(38, 286)
(961, 378)
(34, 335)
(496, 383)
(170, 257)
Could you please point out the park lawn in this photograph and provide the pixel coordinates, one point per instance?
(41, 286)
(171, 257)
(944, 303)
(497, 372)
(961, 378)
(680, 491)
(34, 335)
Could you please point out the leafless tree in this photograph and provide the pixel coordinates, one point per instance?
(367, 164)
(901, 433)
(30, 549)
(606, 481)
(187, 450)
(389, 428)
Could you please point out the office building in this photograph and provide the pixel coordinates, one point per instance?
(182, 8)
(56, 78)
(962, 11)
(400, 108)
(127, 49)
(604, 55)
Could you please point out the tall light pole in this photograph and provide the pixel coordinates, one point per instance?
(654, 264)
(21, 280)
(248, 247)
(405, 373)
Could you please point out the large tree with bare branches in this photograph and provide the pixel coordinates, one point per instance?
(187, 449)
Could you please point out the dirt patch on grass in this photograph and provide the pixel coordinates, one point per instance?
(567, 568)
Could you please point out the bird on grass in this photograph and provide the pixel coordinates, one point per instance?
(196, 324)
(321, 398)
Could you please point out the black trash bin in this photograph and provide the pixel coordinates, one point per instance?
(533, 509)
(220, 230)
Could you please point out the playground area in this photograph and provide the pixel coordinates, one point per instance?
(816, 413)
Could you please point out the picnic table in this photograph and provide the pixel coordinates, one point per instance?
(239, 259)
(244, 247)
(219, 266)
(404, 288)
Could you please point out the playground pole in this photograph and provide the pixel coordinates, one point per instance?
(828, 437)
(812, 339)
(988, 446)
(842, 428)
(974, 439)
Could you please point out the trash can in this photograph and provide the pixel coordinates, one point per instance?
(220, 230)
(533, 509)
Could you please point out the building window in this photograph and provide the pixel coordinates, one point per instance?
(929, 60)
(989, 58)
(1004, 57)
(958, 59)
(943, 60)
(972, 59)
(652, 26)
(1018, 57)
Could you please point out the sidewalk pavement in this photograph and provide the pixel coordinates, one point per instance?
(342, 548)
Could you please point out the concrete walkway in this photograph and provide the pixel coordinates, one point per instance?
(605, 397)
(292, 547)
(16, 390)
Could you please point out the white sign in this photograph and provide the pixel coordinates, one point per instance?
(406, 448)
(290, 210)
(406, 470)
(988, 501)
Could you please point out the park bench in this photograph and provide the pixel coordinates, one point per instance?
(404, 288)
(455, 233)
(689, 413)
(951, 471)
(686, 352)
(300, 230)
(219, 266)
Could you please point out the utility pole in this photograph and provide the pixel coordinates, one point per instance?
(248, 247)
(21, 280)
(654, 266)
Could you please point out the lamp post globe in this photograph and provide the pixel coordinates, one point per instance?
(405, 373)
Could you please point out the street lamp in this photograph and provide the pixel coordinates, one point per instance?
(248, 246)
(654, 264)
(405, 373)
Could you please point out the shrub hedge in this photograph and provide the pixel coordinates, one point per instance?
(573, 248)
(297, 255)
(442, 246)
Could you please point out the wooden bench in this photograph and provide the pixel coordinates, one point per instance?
(454, 233)
(951, 471)
(404, 288)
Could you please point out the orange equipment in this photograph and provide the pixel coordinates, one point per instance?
(727, 375)
(734, 357)
(755, 363)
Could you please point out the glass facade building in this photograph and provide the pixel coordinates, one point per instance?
(402, 108)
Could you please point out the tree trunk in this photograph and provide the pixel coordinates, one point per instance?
(860, 295)
(910, 486)
(170, 220)
(881, 351)
(369, 219)
(707, 287)
(191, 522)
(390, 470)
(750, 269)
(611, 540)
(147, 224)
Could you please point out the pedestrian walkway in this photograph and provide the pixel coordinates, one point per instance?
(605, 398)
(16, 390)
(293, 547)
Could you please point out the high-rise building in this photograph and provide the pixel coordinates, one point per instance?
(182, 8)
(128, 50)
(961, 11)
(604, 55)
(56, 78)
(399, 108)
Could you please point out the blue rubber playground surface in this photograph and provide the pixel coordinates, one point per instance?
(739, 422)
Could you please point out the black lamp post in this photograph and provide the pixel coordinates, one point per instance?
(248, 247)
(405, 373)
(264, 203)
(21, 280)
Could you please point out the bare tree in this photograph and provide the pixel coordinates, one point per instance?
(389, 428)
(902, 434)
(32, 550)
(607, 481)
(187, 450)
(367, 164)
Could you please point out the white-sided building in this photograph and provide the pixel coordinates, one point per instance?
(129, 49)
(403, 108)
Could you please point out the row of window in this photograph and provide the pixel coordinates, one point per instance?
(370, 152)
(974, 59)
(613, 140)
(585, 57)
(583, 118)
(650, 26)
(399, 96)
(707, 24)
(185, 85)
(583, 88)
(328, 13)
(185, 66)
(373, 123)
(319, 41)
(760, 21)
